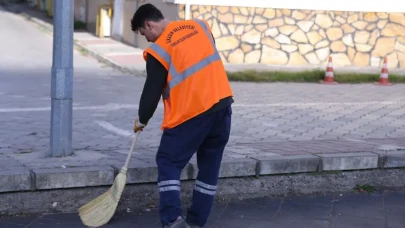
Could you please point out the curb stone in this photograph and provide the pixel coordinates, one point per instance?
(142, 196)
(64, 185)
(288, 164)
(143, 172)
(22, 179)
(15, 179)
(348, 161)
(382, 157)
(241, 167)
(73, 177)
(394, 159)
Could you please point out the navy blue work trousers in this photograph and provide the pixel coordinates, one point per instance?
(206, 135)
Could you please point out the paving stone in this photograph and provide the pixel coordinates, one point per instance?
(395, 159)
(145, 172)
(15, 179)
(348, 161)
(237, 167)
(73, 177)
(288, 164)
(8, 162)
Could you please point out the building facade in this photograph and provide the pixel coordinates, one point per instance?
(289, 32)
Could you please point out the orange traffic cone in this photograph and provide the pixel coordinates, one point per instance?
(329, 74)
(384, 75)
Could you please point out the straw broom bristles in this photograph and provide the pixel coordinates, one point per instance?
(100, 210)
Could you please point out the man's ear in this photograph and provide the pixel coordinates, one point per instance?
(148, 25)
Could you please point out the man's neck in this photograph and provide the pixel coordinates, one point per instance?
(165, 23)
(162, 25)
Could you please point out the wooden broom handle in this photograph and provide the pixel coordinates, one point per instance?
(131, 150)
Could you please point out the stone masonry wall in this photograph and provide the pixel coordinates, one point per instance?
(305, 37)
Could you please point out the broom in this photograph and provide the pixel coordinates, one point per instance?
(101, 209)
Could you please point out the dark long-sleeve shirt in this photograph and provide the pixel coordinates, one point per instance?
(153, 88)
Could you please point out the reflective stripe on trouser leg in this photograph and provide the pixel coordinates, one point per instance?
(169, 185)
(169, 188)
(169, 192)
(170, 205)
(203, 198)
(205, 188)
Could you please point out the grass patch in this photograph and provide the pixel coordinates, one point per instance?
(365, 188)
(311, 76)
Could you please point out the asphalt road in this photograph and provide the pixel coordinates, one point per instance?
(382, 209)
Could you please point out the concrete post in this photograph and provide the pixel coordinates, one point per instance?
(62, 80)
(118, 9)
(188, 10)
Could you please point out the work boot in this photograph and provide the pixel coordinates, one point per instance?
(179, 223)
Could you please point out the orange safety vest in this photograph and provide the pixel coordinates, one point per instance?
(196, 75)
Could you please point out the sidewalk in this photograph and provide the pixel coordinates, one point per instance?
(385, 209)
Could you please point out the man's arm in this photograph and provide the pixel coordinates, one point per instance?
(152, 90)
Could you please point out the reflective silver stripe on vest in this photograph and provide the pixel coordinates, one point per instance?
(160, 51)
(193, 69)
(179, 77)
(202, 24)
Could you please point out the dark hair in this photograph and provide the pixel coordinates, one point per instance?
(147, 12)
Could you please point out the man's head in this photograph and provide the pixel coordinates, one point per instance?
(149, 22)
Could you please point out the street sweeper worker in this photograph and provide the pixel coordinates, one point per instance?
(184, 68)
